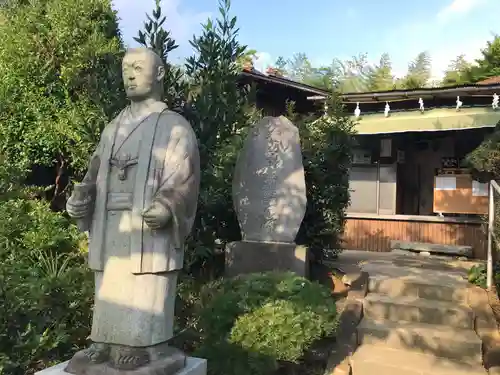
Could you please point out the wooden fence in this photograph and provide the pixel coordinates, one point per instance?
(375, 232)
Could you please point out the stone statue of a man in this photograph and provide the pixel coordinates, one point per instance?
(138, 202)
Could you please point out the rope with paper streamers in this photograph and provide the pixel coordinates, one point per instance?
(421, 104)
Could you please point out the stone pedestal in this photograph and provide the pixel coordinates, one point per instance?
(194, 366)
(248, 257)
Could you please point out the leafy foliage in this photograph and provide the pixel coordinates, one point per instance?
(11, 177)
(462, 72)
(60, 82)
(251, 323)
(458, 72)
(419, 72)
(327, 144)
(477, 275)
(381, 78)
(486, 157)
(281, 66)
(356, 74)
(57, 97)
(247, 58)
(219, 110)
(488, 65)
(45, 287)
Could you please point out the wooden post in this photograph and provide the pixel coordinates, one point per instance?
(378, 188)
(491, 224)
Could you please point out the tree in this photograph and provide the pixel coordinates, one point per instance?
(353, 75)
(489, 64)
(247, 58)
(219, 110)
(281, 66)
(60, 82)
(299, 67)
(327, 144)
(322, 78)
(457, 72)
(419, 72)
(381, 78)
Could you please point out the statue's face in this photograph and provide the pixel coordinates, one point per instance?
(139, 74)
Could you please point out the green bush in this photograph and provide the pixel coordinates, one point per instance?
(60, 80)
(45, 288)
(249, 324)
(327, 144)
(477, 275)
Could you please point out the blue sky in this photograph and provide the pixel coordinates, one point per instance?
(325, 29)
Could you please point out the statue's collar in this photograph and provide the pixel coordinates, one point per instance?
(154, 107)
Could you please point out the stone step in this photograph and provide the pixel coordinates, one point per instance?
(452, 343)
(417, 310)
(372, 360)
(430, 263)
(388, 269)
(432, 288)
(432, 248)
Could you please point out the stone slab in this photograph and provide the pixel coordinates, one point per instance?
(269, 188)
(417, 310)
(435, 262)
(350, 310)
(486, 326)
(382, 268)
(372, 359)
(432, 248)
(375, 368)
(194, 366)
(244, 257)
(412, 286)
(452, 343)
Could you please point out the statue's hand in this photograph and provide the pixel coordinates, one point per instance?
(78, 209)
(157, 215)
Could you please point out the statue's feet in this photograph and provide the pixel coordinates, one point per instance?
(97, 352)
(128, 358)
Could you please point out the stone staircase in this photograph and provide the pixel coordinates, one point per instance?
(416, 321)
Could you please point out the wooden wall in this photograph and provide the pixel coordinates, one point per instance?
(372, 234)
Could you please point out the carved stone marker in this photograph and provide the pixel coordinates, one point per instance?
(138, 201)
(269, 196)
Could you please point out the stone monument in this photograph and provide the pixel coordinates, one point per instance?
(138, 201)
(269, 196)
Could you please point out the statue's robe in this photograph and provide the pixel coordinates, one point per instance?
(154, 157)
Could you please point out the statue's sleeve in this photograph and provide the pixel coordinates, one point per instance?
(95, 159)
(178, 184)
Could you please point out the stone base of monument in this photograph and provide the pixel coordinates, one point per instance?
(194, 366)
(244, 257)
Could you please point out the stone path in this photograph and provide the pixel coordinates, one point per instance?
(416, 320)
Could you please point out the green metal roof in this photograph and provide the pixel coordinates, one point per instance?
(429, 120)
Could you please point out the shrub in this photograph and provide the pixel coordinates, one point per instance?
(327, 144)
(477, 275)
(45, 288)
(250, 324)
(60, 81)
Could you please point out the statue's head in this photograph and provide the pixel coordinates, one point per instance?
(143, 72)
